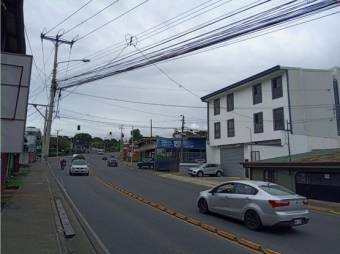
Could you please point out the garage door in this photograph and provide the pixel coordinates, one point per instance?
(230, 161)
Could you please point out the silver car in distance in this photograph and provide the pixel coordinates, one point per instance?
(256, 203)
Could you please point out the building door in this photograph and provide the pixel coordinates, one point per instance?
(318, 185)
(230, 161)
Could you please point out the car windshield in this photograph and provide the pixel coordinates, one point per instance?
(203, 165)
(79, 162)
(276, 190)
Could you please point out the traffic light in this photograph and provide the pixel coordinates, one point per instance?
(78, 127)
(110, 133)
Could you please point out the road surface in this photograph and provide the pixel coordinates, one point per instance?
(128, 226)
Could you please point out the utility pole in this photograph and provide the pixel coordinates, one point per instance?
(58, 143)
(57, 41)
(288, 141)
(182, 131)
(131, 145)
(151, 128)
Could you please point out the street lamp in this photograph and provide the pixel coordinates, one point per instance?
(84, 60)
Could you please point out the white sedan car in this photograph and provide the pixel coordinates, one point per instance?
(79, 167)
(256, 203)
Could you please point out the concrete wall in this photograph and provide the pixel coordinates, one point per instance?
(312, 103)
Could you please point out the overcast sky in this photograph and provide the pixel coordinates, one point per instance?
(311, 45)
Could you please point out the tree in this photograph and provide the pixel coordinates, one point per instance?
(64, 146)
(97, 142)
(135, 133)
(111, 145)
(83, 138)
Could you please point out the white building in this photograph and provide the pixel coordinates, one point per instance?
(253, 118)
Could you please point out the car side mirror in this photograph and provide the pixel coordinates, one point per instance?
(213, 191)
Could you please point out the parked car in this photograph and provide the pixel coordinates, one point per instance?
(79, 166)
(112, 162)
(256, 203)
(104, 158)
(206, 169)
(146, 163)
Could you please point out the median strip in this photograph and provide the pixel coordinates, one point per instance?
(255, 247)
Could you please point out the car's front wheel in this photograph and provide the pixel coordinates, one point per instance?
(252, 220)
(203, 206)
(200, 173)
(218, 173)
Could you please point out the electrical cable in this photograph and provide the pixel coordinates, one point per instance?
(209, 41)
(112, 20)
(91, 17)
(68, 17)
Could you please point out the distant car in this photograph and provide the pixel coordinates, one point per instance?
(112, 156)
(146, 163)
(78, 157)
(206, 169)
(79, 166)
(100, 153)
(256, 203)
(112, 162)
(104, 158)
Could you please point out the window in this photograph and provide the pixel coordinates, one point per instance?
(276, 190)
(337, 104)
(245, 189)
(278, 119)
(255, 155)
(231, 128)
(216, 106)
(258, 122)
(230, 102)
(257, 94)
(217, 129)
(225, 188)
(277, 87)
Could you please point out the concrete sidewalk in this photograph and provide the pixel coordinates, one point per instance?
(30, 222)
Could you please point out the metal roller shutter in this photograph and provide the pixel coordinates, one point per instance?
(230, 161)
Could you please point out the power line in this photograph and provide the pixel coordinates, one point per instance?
(152, 29)
(68, 17)
(263, 20)
(112, 20)
(168, 76)
(91, 17)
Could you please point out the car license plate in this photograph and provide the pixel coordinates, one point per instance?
(298, 221)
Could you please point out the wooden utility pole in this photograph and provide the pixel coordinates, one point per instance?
(182, 133)
(151, 128)
(57, 41)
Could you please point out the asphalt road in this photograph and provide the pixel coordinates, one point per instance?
(127, 226)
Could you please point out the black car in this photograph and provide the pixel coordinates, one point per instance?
(112, 163)
(104, 158)
(146, 163)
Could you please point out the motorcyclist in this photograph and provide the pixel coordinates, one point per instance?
(62, 164)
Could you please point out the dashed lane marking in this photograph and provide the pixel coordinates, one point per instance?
(245, 243)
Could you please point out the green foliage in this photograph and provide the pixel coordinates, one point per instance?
(135, 133)
(64, 146)
(83, 138)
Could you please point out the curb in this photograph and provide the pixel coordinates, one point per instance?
(95, 241)
(255, 247)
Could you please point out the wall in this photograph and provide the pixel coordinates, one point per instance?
(213, 154)
(313, 88)
(244, 110)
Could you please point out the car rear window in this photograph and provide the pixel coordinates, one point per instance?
(276, 190)
(78, 162)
